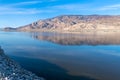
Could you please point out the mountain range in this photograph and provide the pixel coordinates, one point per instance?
(73, 23)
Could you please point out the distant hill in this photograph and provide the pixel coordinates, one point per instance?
(73, 23)
(9, 28)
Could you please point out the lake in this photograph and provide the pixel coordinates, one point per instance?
(65, 56)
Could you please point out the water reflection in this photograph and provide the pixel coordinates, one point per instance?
(40, 55)
(106, 38)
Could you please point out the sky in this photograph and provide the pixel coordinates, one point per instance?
(15, 13)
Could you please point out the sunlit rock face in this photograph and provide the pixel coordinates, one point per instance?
(10, 70)
(75, 23)
(94, 38)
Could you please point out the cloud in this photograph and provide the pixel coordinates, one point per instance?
(19, 4)
(71, 7)
(16, 8)
(26, 3)
(22, 11)
(31, 2)
(110, 7)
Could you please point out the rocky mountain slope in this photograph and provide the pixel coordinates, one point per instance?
(74, 23)
(10, 70)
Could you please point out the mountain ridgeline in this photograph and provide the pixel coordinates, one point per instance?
(73, 23)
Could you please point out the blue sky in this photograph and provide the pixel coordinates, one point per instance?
(14, 13)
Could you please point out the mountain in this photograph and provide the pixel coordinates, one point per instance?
(74, 23)
(9, 28)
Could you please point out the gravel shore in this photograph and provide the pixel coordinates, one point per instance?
(10, 70)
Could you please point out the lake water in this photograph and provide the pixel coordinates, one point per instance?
(56, 56)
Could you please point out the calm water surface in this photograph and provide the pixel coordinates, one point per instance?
(57, 56)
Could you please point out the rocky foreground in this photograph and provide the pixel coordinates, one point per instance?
(10, 70)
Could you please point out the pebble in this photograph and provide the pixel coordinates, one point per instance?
(10, 70)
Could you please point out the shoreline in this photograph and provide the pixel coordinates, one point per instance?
(10, 70)
(86, 31)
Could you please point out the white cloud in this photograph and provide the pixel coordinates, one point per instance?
(110, 7)
(23, 11)
(71, 7)
(26, 3)
(19, 4)
(16, 8)
(19, 12)
(31, 2)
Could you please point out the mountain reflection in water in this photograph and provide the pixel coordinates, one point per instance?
(106, 38)
(75, 58)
